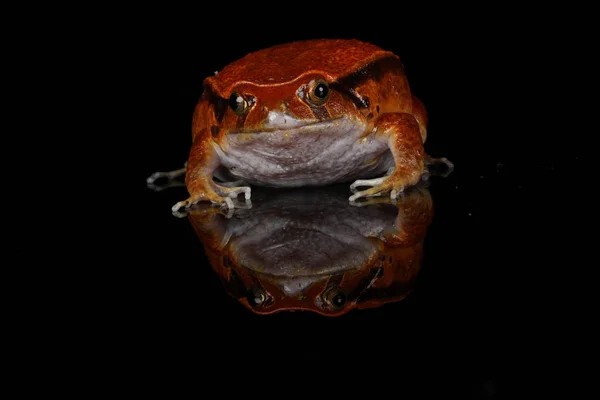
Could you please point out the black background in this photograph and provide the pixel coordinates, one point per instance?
(472, 327)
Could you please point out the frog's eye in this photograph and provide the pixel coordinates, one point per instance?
(318, 93)
(238, 104)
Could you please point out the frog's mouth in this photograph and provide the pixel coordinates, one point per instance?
(278, 121)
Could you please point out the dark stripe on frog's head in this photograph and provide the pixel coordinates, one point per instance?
(241, 122)
(373, 71)
(220, 105)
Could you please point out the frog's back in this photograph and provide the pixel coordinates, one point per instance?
(333, 58)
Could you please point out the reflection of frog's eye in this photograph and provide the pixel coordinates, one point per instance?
(335, 298)
(318, 92)
(238, 104)
(257, 297)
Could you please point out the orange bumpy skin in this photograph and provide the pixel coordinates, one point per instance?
(307, 113)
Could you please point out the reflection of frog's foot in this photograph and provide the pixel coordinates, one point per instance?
(185, 205)
(205, 210)
(200, 209)
(213, 208)
(371, 201)
(167, 185)
(169, 176)
(159, 181)
(439, 166)
(415, 191)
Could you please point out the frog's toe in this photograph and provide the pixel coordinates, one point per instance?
(233, 192)
(366, 182)
(182, 204)
(244, 189)
(373, 192)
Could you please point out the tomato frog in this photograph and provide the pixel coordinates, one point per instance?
(307, 113)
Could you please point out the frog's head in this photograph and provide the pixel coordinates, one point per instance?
(308, 99)
(292, 86)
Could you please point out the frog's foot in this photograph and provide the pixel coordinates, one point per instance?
(394, 184)
(371, 182)
(233, 192)
(379, 187)
(218, 195)
(366, 182)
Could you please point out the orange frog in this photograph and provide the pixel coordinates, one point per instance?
(307, 113)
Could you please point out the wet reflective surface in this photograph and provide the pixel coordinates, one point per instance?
(312, 250)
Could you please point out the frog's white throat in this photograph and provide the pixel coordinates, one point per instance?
(291, 153)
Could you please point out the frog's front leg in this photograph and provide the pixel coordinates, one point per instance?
(404, 140)
(202, 163)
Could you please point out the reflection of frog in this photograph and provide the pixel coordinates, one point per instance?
(307, 113)
(312, 250)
